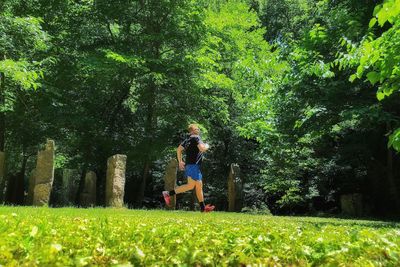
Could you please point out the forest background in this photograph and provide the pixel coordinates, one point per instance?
(303, 95)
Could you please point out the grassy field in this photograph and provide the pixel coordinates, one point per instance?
(79, 237)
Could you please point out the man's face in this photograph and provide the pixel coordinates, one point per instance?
(196, 130)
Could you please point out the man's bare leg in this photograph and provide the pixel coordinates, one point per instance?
(199, 191)
(180, 189)
(200, 198)
(186, 187)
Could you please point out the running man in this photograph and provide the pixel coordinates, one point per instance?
(194, 148)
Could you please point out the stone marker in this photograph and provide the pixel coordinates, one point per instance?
(170, 180)
(88, 195)
(351, 204)
(115, 181)
(70, 186)
(2, 174)
(44, 175)
(235, 189)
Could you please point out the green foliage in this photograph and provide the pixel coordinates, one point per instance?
(283, 20)
(315, 120)
(19, 73)
(394, 140)
(24, 56)
(238, 67)
(261, 209)
(379, 57)
(21, 36)
(22, 40)
(60, 161)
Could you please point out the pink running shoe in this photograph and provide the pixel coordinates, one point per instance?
(166, 197)
(208, 208)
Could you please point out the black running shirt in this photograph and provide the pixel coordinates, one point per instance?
(193, 154)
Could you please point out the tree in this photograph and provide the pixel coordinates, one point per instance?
(22, 46)
(379, 60)
(315, 120)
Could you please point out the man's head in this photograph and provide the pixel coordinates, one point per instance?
(194, 129)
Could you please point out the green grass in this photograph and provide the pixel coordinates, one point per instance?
(68, 236)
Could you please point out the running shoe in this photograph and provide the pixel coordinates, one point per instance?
(208, 208)
(166, 197)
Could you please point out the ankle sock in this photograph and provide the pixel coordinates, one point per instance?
(202, 206)
(172, 192)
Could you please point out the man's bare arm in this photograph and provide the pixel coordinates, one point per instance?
(203, 147)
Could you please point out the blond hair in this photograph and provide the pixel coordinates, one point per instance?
(192, 125)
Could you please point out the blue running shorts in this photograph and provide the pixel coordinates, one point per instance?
(193, 171)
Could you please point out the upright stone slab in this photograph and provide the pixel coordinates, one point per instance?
(2, 174)
(351, 204)
(170, 180)
(44, 175)
(88, 196)
(235, 189)
(70, 186)
(115, 181)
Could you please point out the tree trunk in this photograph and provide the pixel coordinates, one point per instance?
(20, 190)
(394, 196)
(146, 174)
(16, 184)
(151, 28)
(150, 128)
(2, 137)
(2, 114)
